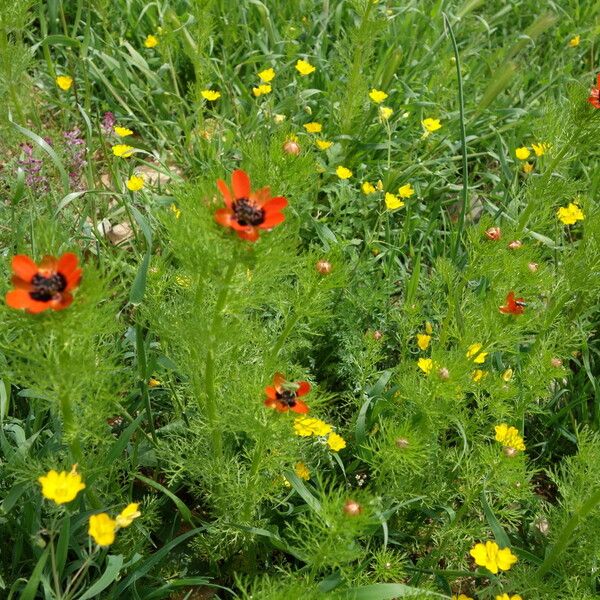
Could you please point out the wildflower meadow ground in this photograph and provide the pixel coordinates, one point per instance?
(300, 299)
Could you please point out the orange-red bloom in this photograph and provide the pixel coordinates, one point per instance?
(594, 98)
(283, 396)
(49, 285)
(248, 211)
(513, 306)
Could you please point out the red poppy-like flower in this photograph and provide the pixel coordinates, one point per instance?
(513, 306)
(283, 396)
(43, 287)
(594, 98)
(248, 211)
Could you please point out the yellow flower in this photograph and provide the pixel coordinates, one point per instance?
(313, 127)
(461, 597)
(123, 150)
(379, 185)
(152, 382)
(173, 208)
(473, 351)
(490, 556)
(336, 442)
(428, 328)
(509, 437)
(262, 90)
(151, 41)
(423, 341)
(540, 149)
(393, 202)
(522, 153)
(64, 82)
(478, 375)
(135, 183)
(367, 188)
(507, 375)
(406, 191)
(431, 125)
(574, 41)
(343, 173)
(426, 365)
(302, 471)
(307, 426)
(278, 118)
(385, 112)
(304, 67)
(527, 167)
(569, 215)
(267, 75)
(210, 95)
(323, 144)
(122, 131)
(102, 528)
(377, 96)
(507, 597)
(128, 514)
(61, 487)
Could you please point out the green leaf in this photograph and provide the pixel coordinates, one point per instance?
(385, 591)
(30, 590)
(110, 574)
(181, 507)
(299, 486)
(118, 447)
(62, 547)
(497, 529)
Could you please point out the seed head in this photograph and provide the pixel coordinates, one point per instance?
(352, 508)
(324, 266)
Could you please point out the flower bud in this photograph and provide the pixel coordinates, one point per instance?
(493, 233)
(291, 147)
(443, 373)
(352, 508)
(402, 443)
(324, 267)
(510, 452)
(543, 526)
(515, 245)
(533, 267)
(556, 363)
(377, 334)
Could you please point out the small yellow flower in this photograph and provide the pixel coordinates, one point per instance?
(509, 437)
(379, 185)
(431, 125)
(102, 528)
(278, 118)
(61, 487)
(426, 365)
(522, 153)
(313, 127)
(478, 375)
(262, 90)
(343, 172)
(423, 340)
(154, 382)
(323, 144)
(406, 191)
(123, 150)
(336, 442)
(428, 328)
(122, 131)
(393, 202)
(210, 95)
(367, 188)
(385, 112)
(378, 96)
(64, 82)
(527, 167)
(570, 214)
(492, 557)
(128, 514)
(302, 471)
(151, 41)
(507, 375)
(176, 211)
(473, 351)
(541, 148)
(461, 597)
(307, 426)
(304, 67)
(267, 75)
(135, 183)
(507, 597)
(574, 41)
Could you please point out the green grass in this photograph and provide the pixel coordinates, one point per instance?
(153, 380)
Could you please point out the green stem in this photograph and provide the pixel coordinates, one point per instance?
(565, 536)
(143, 377)
(69, 427)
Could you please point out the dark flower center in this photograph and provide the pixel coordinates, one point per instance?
(247, 213)
(287, 397)
(46, 288)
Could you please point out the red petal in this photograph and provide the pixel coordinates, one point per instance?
(48, 263)
(241, 184)
(65, 301)
(223, 217)
(598, 80)
(300, 407)
(73, 280)
(249, 233)
(67, 263)
(278, 380)
(225, 192)
(275, 204)
(21, 299)
(272, 219)
(262, 196)
(303, 388)
(270, 403)
(271, 393)
(24, 267)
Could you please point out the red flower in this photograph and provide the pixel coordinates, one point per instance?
(284, 396)
(513, 306)
(594, 98)
(248, 211)
(49, 285)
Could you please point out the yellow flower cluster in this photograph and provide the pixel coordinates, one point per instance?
(569, 215)
(523, 153)
(492, 557)
(309, 426)
(103, 529)
(509, 437)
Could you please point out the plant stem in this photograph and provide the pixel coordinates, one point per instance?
(143, 377)
(69, 426)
